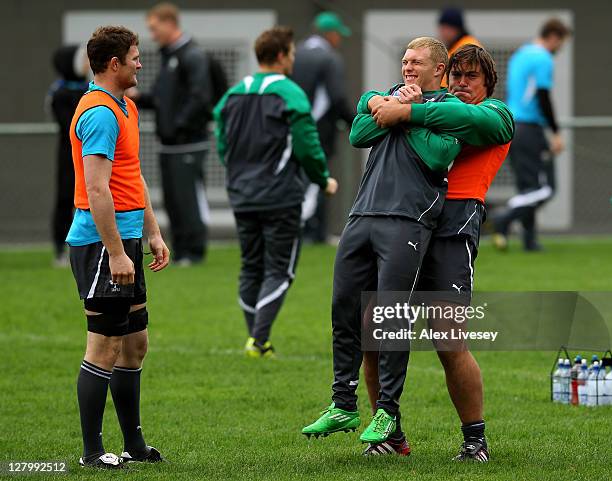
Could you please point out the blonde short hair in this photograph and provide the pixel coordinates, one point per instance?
(437, 50)
(165, 11)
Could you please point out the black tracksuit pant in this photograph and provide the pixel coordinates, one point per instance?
(185, 201)
(64, 194)
(270, 245)
(533, 167)
(376, 253)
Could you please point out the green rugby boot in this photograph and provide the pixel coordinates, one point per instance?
(333, 420)
(379, 430)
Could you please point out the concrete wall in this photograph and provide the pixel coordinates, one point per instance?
(33, 29)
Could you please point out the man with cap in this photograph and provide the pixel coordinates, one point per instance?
(319, 70)
(453, 33)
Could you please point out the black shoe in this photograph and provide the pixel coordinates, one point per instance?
(473, 451)
(149, 455)
(105, 461)
(533, 247)
(390, 446)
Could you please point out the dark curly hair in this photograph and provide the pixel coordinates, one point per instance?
(474, 55)
(108, 42)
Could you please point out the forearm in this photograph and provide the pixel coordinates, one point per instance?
(478, 125)
(363, 105)
(437, 150)
(150, 222)
(103, 212)
(307, 148)
(547, 109)
(365, 132)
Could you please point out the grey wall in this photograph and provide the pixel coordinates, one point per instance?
(33, 29)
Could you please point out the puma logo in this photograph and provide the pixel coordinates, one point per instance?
(458, 288)
(413, 244)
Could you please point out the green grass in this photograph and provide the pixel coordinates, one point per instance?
(217, 415)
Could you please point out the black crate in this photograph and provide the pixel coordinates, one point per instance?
(605, 360)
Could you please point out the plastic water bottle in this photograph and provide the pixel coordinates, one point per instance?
(556, 380)
(594, 359)
(583, 377)
(601, 380)
(574, 379)
(608, 389)
(593, 385)
(566, 381)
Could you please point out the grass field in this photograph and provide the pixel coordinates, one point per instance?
(216, 415)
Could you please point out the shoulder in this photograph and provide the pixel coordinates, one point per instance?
(493, 102)
(497, 105)
(450, 98)
(539, 55)
(97, 121)
(286, 86)
(467, 40)
(192, 52)
(293, 95)
(98, 116)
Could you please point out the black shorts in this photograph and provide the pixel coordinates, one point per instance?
(92, 273)
(448, 266)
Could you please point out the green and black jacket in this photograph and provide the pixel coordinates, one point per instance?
(268, 142)
(405, 174)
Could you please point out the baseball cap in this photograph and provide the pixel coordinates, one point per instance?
(331, 22)
(453, 17)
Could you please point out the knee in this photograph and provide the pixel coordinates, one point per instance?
(103, 351)
(457, 360)
(139, 349)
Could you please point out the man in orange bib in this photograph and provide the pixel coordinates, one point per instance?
(112, 208)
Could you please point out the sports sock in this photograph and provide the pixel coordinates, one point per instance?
(125, 388)
(92, 386)
(474, 431)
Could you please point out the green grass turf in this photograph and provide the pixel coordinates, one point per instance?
(217, 415)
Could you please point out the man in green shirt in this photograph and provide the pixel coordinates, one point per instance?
(383, 244)
(268, 141)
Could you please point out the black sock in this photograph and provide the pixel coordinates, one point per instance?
(125, 388)
(398, 434)
(92, 386)
(474, 431)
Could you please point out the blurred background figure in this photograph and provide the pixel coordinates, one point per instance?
(72, 67)
(182, 97)
(319, 70)
(453, 33)
(530, 80)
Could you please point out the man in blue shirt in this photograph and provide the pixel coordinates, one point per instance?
(112, 209)
(530, 80)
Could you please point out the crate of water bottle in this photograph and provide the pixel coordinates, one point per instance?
(584, 379)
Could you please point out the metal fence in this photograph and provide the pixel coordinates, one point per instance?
(28, 158)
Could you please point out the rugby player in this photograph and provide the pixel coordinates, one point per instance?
(383, 244)
(112, 207)
(268, 141)
(486, 124)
